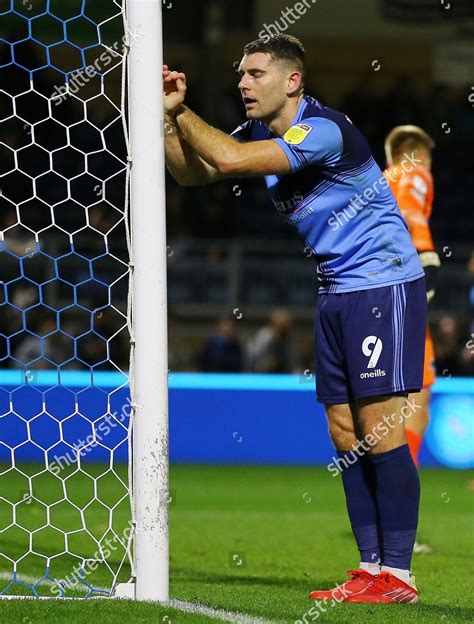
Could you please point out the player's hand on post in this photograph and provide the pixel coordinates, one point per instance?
(174, 87)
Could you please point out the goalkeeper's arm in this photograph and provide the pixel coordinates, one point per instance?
(431, 263)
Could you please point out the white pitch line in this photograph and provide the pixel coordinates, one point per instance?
(28, 580)
(181, 605)
(217, 614)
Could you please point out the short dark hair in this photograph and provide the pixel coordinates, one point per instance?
(280, 47)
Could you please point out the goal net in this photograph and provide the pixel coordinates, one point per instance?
(66, 506)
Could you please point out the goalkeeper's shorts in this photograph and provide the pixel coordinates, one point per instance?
(370, 343)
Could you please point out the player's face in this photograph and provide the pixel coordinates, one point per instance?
(263, 85)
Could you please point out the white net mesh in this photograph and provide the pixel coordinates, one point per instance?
(65, 516)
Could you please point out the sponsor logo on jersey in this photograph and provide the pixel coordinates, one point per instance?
(285, 207)
(297, 134)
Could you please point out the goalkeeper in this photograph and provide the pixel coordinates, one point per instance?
(414, 193)
(371, 310)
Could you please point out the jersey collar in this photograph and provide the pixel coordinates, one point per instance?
(299, 114)
(301, 108)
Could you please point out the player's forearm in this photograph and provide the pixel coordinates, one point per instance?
(183, 163)
(214, 146)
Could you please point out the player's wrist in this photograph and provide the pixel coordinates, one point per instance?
(171, 116)
(170, 121)
(179, 110)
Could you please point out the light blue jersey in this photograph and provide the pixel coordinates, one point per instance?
(339, 201)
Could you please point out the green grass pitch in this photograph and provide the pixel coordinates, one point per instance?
(256, 540)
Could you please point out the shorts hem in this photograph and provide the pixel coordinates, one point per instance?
(387, 392)
(333, 400)
(370, 393)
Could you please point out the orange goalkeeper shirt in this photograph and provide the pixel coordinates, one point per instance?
(414, 194)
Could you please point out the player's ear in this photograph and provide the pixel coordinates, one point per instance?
(295, 80)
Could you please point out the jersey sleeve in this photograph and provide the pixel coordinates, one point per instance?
(414, 198)
(313, 141)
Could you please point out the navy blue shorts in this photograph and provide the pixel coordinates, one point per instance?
(370, 342)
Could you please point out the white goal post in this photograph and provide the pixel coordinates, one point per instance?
(83, 215)
(150, 375)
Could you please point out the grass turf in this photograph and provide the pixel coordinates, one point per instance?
(256, 540)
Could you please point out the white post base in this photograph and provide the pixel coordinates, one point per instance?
(125, 590)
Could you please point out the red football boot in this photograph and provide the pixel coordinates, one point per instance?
(387, 589)
(359, 580)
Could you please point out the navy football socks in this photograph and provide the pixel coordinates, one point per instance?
(398, 499)
(359, 486)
